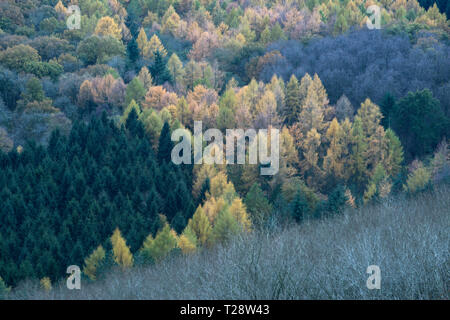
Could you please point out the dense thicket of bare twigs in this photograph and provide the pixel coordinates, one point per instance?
(407, 237)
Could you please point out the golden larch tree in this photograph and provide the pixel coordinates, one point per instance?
(142, 40)
(200, 225)
(145, 77)
(92, 262)
(121, 252)
(106, 26)
(159, 247)
(153, 45)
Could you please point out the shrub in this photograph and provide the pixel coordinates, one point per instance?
(418, 180)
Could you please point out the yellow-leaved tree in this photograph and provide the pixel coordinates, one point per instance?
(46, 284)
(106, 26)
(155, 249)
(153, 45)
(59, 8)
(201, 173)
(333, 163)
(92, 262)
(187, 241)
(418, 179)
(239, 212)
(200, 225)
(288, 158)
(121, 252)
(170, 21)
(142, 40)
(221, 215)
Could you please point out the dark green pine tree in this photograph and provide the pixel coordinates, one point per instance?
(77, 255)
(420, 123)
(171, 186)
(178, 222)
(299, 207)
(387, 108)
(206, 186)
(153, 203)
(257, 204)
(336, 200)
(133, 124)
(447, 10)
(165, 145)
(292, 107)
(184, 194)
(443, 5)
(132, 51)
(56, 145)
(159, 70)
(60, 202)
(26, 269)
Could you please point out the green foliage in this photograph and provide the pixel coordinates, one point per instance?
(225, 227)
(387, 107)
(225, 119)
(299, 207)
(97, 49)
(206, 187)
(292, 101)
(132, 50)
(60, 200)
(159, 247)
(133, 124)
(294, 185)
(44, 69)
(87, 189)
(341, 24)
(394, 156)
(131, 106)
(159, 70)
(257, 205)
(418, 180)
(420, 123)
(165, 144)
(135, 91)
(358, 150)
(199, 224)
(175, 67)
(336, 200)
(153, 125)
(17, 57)
(94, 262)
(34, 90)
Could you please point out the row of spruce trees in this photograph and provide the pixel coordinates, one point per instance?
(60, 202)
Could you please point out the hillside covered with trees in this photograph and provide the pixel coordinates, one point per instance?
(330, 259)
(86, 117)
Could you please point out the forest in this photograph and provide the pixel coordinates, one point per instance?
(87, 115)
